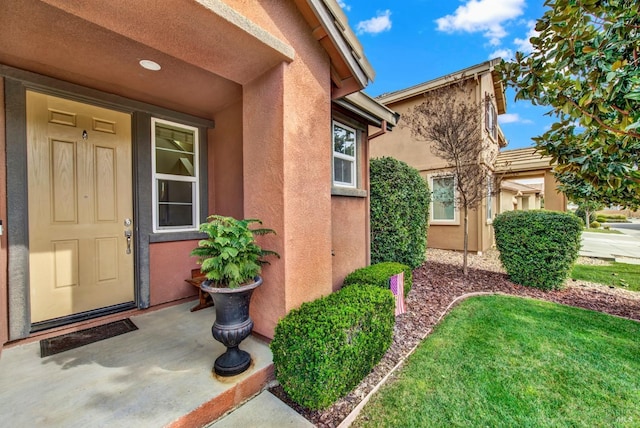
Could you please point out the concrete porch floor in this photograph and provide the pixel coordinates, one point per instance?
(159, 375)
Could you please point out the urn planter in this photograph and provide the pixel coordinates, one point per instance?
(232, 325)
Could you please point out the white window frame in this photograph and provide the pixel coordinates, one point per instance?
(491, 118)
(456, 216)
(195, 179)
(353, 159)
(489, 199)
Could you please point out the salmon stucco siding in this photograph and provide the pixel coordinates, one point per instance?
(256, 84)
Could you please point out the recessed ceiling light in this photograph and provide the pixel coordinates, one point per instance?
(150, 65)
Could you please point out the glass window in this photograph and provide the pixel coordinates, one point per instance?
(443, 207)
(344, 155)
(175, 198)
(491, 118)
(489, 198)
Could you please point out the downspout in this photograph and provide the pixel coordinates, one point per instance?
(382, 131)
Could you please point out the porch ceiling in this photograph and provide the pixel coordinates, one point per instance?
(206, 50)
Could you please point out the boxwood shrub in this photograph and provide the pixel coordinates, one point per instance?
(538, 248)
(399, 212)
(322, 350)
(379, 274)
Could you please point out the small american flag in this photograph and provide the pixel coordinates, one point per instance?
(396, 284)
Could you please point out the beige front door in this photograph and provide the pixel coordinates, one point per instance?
(80, 207)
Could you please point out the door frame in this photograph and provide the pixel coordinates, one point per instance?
(17, 82)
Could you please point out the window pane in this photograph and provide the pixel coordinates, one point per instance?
(489, 198)
(175, 215)
(174, 138)
(342, 171)
(174, 150)
(344, 140)
(174, 163)
(443, 198)
(175, 191)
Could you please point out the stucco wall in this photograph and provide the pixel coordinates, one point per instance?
(451, 237)
(351, 241)
(401, 145)
(225, 163)
(170, 264)
(4, 315)
(553, 200)
(350, 217)
(287, 169)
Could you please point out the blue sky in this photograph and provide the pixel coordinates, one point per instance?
(412, 41)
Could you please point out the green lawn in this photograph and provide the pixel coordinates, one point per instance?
(500, 361)
(617, 274)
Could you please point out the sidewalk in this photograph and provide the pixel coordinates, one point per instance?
(263, 411)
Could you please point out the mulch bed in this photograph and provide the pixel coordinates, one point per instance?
(435, 287)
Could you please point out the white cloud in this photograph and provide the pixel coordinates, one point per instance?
(487, 16)
(506, 54)
(375, 25)
(523, 45)
(343, 5)
(512, 118)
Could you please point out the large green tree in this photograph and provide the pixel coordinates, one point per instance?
(585, 65)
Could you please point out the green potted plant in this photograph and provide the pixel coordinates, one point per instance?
(231, 260)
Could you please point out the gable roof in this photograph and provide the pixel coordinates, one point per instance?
(467, 73)
(526, 159)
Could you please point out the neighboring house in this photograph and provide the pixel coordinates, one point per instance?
(481, 85)
(515, 195)
(527, 181)
(249, 109)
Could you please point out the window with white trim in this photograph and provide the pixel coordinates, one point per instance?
(443, 196)
(489, 198)
(491, 118)
(175, 176)
(344, 155)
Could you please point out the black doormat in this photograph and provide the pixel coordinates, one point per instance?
(68, 341)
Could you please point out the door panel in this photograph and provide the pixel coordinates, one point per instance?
(80, 193)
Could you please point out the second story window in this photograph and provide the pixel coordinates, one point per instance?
(491, 118)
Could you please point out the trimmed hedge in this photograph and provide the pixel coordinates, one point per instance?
(379, 275)
(399, 213)
(538, 248)
(322, 350)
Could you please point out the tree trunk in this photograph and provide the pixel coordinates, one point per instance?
(465, 271)
(587, 214)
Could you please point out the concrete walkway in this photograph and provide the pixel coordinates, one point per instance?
(157, 376)
(264, 411)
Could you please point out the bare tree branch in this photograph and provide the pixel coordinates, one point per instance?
(451, 121)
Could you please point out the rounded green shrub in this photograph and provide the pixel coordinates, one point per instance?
(379, 275)
(538, 248)
(594, 225)
(322, 350)
(399, 212)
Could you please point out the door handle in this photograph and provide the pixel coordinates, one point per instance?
(127, 234)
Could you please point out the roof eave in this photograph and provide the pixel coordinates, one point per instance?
(348, 53)
(464, 74)
(369, 109)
